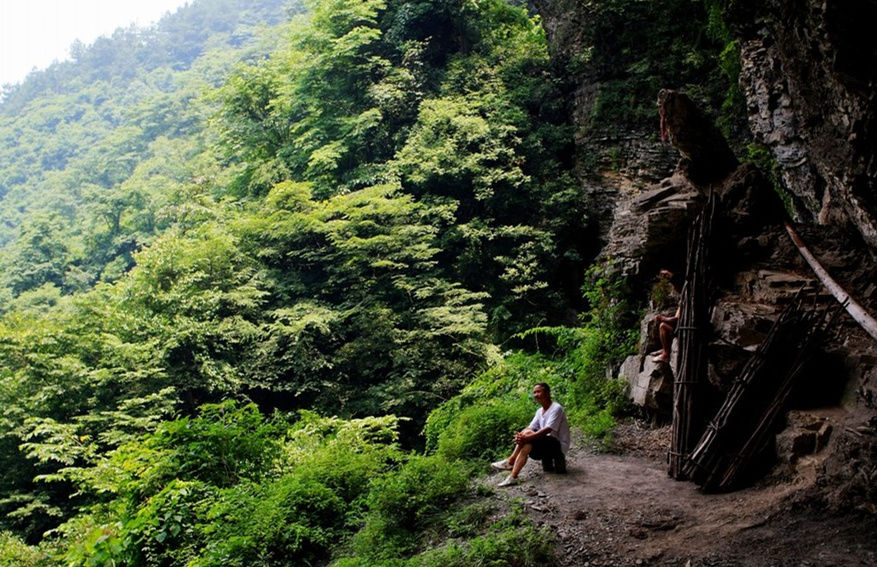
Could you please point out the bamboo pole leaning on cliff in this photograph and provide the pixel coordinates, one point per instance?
(710, 454)
(691, 330)
(742, 427)
(815, 326)
(856, 311)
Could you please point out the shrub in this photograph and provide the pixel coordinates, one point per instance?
(344, 455)
(303, 514)
(223, 445)
(407, 500)
(508, 383)
(163, 530)
(16, 553)
(522, 547)
(295, 500)
(511, 541)
(266, 525)
(484, 431)
(471, 519)
(460, 538)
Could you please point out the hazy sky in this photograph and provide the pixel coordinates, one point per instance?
(34, 33)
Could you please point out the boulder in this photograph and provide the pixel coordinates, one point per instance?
(645, 234)
(739, 322)
(650, 383)
(805, 434)
(706, 157)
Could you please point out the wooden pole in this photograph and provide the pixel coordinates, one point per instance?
(855, 310)
(741, 428)
(692, 330)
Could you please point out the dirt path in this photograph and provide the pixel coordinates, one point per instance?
(622, 510)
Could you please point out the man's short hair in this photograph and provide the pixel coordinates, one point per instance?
(544, 386)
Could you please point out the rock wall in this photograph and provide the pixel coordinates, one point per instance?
(808, 72)
(609, 159)
(833, 423)
(808, 75)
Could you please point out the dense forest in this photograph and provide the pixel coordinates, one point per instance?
(278, 276)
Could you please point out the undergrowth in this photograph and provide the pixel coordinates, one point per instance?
(479, 422)
(427, 513)
(230, 486)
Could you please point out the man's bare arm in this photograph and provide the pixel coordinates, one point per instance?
(528, 435)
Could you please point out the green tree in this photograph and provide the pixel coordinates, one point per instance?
(374, 326)
(39, 256)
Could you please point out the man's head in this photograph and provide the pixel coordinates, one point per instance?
(669, 277)
(542, 394)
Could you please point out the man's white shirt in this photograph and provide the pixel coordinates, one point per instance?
(555, 418)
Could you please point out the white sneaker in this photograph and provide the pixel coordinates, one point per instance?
(502, 465)
(509, 481)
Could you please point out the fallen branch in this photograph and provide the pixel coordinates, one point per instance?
(855, 310)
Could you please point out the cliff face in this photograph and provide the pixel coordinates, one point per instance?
(809, 71)
(614, 157)
(808, 74)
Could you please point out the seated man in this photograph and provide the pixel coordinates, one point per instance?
(667, 323)
(545, 439)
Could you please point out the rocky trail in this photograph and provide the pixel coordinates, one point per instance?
(624, 510)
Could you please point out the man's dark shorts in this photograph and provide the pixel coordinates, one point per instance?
(546, 447)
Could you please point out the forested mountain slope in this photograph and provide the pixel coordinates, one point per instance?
(96, 150)
(345, 223)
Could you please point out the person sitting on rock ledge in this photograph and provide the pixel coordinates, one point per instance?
(546, 439)
(667, 323)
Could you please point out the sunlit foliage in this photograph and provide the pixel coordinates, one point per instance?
(219, 231)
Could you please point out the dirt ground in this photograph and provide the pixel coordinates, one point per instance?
(622, 509)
